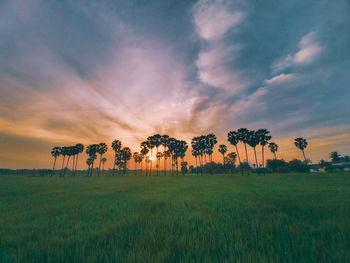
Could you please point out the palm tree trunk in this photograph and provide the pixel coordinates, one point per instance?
(54, 164)
(256, 159)
(115, 154)
(99, 166)
(64, 157)
(304, 155)
(92, 168)
(246, 152)
(275, 155)
(65, 169)
(76, 165)
(262, 154)
(73, 165)
(103, 168)
(239, 158)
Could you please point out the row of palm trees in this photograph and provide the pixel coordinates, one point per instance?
(171, 150)
(67, 151)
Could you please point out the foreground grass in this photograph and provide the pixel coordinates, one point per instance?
(221, 218)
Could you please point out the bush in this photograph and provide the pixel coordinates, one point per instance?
(298, 166)
(277, 166)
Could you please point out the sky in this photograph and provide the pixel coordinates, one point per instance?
(93, 71)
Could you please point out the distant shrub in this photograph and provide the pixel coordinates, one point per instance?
(277, 166)
(298, 166)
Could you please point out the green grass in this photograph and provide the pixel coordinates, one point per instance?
(218, 218)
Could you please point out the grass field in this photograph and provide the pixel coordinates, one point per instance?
(217, 218)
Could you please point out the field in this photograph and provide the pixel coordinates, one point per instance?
(216, 218)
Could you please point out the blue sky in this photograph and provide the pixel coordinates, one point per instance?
(90, 71)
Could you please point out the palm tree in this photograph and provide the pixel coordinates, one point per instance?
(273, 148)
(151, 142)
(253, 141)
(264, 138)
(233, 138)
(89, 163)
(102, 149)
(301, 144)
(92, 150)
(80, 149)
(126, 156)
(135, 157)
(157, 141)
(222, 149)
(165, 142)
(116, 146)
(104, 159)
(159, 156)
(195, 153)
(210, 143)
(179, 152)
(64, 153)
(144, 151)
(70, 151)
(55, 152)
(243, 135)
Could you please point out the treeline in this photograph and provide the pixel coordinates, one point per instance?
(173, 151)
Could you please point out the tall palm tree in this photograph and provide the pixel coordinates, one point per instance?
(195, 154)
(55, 152)
(171, 147)
(104, 159)
(135, 156)
(116, 146)
(244, 135)
(102, 149)
(126, 156)
(233, 139)
(157, 141)
(273, 148)
(70, 152)
(80, 149)
(89, 163)
(253, 141)
(144, 151)
(179, 152)
(264, 138)
(92, 150)
(301, 144)
(165, 142)
(210, 143)
(151, 142)
(222, 149)
(64, 153)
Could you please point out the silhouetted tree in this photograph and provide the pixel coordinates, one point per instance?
(165, 142)
(233, 138)
(79, 149)
(335, 157)
(244, 135)
(116, 146)
(222, 149)
(102, 149)
(273, 148)
(264, 138)
(253, 141)
(301, 144)
(55, 152)
(92, 151)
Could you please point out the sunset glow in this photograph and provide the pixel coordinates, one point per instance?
(90, 72)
